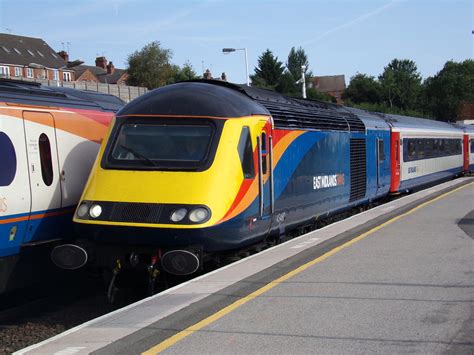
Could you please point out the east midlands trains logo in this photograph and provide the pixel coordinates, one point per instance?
(325, 181)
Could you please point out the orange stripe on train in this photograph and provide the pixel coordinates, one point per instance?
(249, 188)
(83, 123)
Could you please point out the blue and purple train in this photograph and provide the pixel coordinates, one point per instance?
(195, 170)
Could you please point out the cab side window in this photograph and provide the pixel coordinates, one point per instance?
(246, 154)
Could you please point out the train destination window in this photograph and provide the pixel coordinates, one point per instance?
(245, 153)
(161, 145)
(8, 170)
(46, 159)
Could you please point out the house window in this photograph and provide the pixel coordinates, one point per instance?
(31, 53)
(4, 71)
(6, 49)
(55, 74)
(17, 71)
(67, 76)
(29, 72)
(41, 54)
(17, 51)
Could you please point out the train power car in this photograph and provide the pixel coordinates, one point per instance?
(423, 151)
(197, 168)
(49, 138)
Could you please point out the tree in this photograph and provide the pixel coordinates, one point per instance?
(287, 84)
(449, 88)
(363, 88)
(401, 84)
(314, 94)
(186, 72)
(269, 70)
(297, 58)
(150, 66)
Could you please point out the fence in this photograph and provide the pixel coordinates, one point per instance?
(126, 93)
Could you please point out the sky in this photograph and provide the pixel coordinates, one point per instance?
(339, 37)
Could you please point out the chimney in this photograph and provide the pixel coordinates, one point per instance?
(110, 68)
(101, 62)
(64, 55)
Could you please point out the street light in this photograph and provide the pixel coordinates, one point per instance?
(229, 50)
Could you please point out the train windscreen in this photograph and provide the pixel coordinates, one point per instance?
(161, 145)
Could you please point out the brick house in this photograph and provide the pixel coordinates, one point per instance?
(333, 85)
(31, 58)
(103, 72)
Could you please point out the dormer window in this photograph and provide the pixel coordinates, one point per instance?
(41, 54)
(67, 76)
(5, 49)
(31, 53)
(16, 50)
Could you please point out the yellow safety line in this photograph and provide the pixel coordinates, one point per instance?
(226, 310)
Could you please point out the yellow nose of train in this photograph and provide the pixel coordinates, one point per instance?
(175, 159)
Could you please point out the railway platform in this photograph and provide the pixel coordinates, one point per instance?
(396, 278)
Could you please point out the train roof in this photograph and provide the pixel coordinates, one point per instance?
(415, 123)
(372, 120)
(467, 128)
(24, 92)
(213, 98)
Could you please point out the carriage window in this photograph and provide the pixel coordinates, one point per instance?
(420, 149)
(429, 148)
(472, 145)
(245, 153)
(46, 159)
(381, 150)
(411, 149)
(8, 170)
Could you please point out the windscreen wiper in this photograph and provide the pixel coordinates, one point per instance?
(141, 156)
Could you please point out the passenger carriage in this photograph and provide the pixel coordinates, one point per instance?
(423, 151)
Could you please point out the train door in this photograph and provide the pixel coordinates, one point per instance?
(395, 151)
(380, 154)
(15, 196)
(466, 153)
(43, 173)
(265, 172)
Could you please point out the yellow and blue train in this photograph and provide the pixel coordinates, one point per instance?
(199, 169)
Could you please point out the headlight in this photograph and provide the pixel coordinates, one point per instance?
(179, 214)
(199, 215)
(82, 210)
(95, 211)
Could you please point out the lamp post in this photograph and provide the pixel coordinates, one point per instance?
(229, 50)
(303, 81)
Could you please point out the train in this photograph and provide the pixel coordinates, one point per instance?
(198, 170)
(49, 139)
